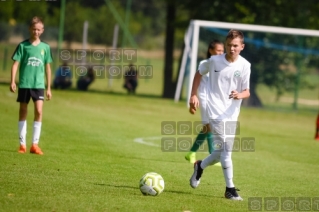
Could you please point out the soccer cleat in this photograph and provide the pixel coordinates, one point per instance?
(22, 149)
(35, 149)
(191, 157)
(231, 193)
(198, 171)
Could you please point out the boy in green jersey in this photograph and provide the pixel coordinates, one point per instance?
(32, 58)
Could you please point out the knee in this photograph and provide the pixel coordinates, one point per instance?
(226, 162)
(205, 129)
(23, 110)
(38, 112)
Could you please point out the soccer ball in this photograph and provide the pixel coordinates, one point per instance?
(152, 184)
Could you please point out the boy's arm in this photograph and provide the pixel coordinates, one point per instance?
(243, 95)
(245, 84)
(193, 102)
(13, 86)
(48, 78)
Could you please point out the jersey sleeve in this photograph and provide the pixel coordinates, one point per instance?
(48, 56)
(17, 54)
(246, 77)
(204, 67)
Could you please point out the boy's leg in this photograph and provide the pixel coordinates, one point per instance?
(198, 141)
(214, 157)
(23, 98)
(209, 139)
(37, 121)
(199, 166)
(227, 166)
(37, 96)
(22, 126)
(191, 155)
(211, 159)
(210, 143)
(216, 129)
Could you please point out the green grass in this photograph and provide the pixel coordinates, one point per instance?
(91, 162)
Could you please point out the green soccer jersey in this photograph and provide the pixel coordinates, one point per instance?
(32, 61)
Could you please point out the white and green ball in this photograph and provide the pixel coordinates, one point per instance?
(152, 184)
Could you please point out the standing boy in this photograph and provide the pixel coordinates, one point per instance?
(32, 58)
(228, 84)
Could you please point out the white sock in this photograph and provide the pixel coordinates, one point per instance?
(36, 132)
(227, 163)
(224, 156)
(22, 125)
(227, 167)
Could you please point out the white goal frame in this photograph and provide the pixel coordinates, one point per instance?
(191, 48)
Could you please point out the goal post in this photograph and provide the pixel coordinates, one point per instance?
(192, 40)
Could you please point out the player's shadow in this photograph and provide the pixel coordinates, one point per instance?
(103, 92)
(116, 186)
(115, 93)
(190, 193)
(155, 160)
(166, 190)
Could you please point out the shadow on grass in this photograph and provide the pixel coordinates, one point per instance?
(116, 186)
(166, 190)
(155, 160)
(74, 90)
(115, 93)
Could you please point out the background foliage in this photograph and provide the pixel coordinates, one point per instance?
(149, 25)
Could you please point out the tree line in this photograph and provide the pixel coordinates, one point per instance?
(161, 24)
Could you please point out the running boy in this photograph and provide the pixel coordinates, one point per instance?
(228, 84)
(215, 47)
(32, 58)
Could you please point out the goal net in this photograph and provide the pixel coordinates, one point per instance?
(283, 58)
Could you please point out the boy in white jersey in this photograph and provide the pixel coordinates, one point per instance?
(215, 47)
(228, 84)
(32, 58)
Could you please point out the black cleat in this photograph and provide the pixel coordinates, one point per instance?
(231, 193)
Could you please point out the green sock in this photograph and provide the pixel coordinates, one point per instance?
(199, 140)
(210, 142)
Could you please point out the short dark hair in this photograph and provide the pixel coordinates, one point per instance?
(232, 34)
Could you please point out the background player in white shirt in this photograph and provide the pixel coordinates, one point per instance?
(215, 47)
(228, 84)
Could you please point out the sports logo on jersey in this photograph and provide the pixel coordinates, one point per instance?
(237, 74)
(42, 52)
(33, 61)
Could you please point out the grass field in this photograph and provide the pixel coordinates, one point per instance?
(91, 162)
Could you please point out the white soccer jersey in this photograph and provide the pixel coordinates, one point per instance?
(224, 77)
(201, 93)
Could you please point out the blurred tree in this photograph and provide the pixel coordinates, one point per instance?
(169, 83)
(6, 15)
(73, 26)
(147, 24)
(6, 11)
(101, 26)
(25, 10)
